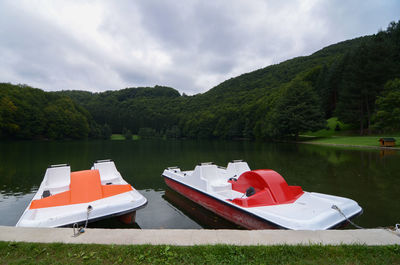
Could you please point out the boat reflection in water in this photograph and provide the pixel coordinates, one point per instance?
(197, 213)
(113, 223)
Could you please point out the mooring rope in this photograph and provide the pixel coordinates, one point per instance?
(80, 230)
(335, 207)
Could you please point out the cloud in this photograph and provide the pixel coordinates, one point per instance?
(191, 45)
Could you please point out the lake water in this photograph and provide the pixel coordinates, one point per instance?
(370, 177)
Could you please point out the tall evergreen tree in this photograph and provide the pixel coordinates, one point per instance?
(388, 108)
(297, 110)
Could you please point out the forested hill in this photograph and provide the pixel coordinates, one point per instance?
(30, 113)
(354, 80)
(275, 75)
(241, 106)
(131, 108)
(345, 80)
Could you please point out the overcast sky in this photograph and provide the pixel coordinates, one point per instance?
(189, 45)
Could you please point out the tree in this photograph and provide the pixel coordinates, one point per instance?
(173, 132)
(147, 133)
(106, 131)
(127, 134)
(297, 110)
(64, 121)
(387, 117)
(7, 117)
(248, 129)
(369, 67)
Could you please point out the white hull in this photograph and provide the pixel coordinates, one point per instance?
(309, 211)
(57, 180)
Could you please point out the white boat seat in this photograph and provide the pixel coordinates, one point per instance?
(236, 169)
(57, 177)
(108, 171)
(220, 185)
(215, 181)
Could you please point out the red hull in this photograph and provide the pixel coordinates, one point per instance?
(128, 218)
(220, 208)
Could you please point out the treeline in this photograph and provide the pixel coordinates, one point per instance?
(30, 113)
(352, 86)
(353, 80)
(131, 108)
(346, 80)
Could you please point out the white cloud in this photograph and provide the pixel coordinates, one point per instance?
(191, 45)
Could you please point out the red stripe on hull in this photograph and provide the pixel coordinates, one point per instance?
(128, 218)
(222, 209)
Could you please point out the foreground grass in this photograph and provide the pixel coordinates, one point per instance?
(35, 253)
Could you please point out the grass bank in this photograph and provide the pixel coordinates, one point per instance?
(352, 140)
(121, 137)
(338, 133)
(38, 253)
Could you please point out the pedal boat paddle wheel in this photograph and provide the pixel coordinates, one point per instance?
(259, 199)
(65, 198)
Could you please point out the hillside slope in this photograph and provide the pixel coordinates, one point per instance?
(354, 80)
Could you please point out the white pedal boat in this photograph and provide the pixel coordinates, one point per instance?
(65, 198)
(259, 199)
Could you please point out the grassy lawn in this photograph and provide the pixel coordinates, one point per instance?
(343, 136)
(117, 137)
(121, 137)
(352, 140)
(35, 253)
(330, 129)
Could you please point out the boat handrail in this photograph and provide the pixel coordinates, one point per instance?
(206, 163)
(237, 160)
(173, 167)
(103, 160)
(59, 165)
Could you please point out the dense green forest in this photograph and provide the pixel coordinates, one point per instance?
(30, 113)
(355, 80)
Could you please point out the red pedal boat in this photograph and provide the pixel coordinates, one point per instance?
(259, 199)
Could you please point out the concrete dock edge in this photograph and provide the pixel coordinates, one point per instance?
(180, 237)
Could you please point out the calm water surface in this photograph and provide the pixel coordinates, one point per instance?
(370, 177)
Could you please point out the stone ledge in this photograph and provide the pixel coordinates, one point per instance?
(186, 237)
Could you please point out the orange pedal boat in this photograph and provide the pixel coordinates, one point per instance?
(65, 198)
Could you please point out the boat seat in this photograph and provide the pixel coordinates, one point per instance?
(57, 177)
(220, 185)
(85, 187)
(108, 171)
(237, 168)
(215, 181)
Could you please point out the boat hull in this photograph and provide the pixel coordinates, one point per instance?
(65, 198)
(202, 216)
(127, 217)
(221, 208)
(66, 216)
(259, 199)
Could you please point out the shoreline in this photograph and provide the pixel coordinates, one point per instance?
(192, 237)
(348, 145)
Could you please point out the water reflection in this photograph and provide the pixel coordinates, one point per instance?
(160, 214)
(387, 152)
(365, 175)
(202, 216)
